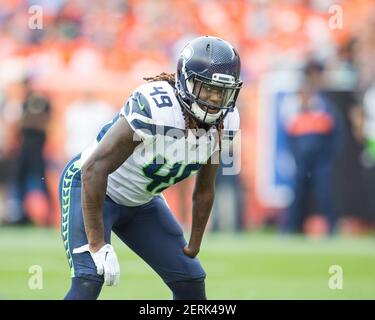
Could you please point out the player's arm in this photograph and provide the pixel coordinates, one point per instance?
(203, 199)
(115, 147)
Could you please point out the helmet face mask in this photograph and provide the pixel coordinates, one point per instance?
(208, 79)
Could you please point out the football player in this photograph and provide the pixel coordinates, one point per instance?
(154, 142)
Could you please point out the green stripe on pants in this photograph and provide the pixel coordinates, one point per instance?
(65, 207)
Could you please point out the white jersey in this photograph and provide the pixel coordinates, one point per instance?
(166, 156)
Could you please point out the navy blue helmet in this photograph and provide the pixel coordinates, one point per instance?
(208, 78)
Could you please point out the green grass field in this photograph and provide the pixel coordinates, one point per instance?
(243, 266)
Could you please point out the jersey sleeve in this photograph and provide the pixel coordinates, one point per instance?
(137, 111)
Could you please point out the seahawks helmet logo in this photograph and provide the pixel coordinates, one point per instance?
(187, 53)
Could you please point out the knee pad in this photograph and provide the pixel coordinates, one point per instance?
(188, 289)
(84, 289)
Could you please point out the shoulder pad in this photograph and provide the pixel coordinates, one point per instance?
(231, 124)
(150, 105)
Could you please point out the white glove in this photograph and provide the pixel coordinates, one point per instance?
(106, 262)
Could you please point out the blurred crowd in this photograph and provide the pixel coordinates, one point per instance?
(72, 73)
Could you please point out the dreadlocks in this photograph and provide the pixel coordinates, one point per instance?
(190, 121)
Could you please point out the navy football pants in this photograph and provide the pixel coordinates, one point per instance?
(150, 230)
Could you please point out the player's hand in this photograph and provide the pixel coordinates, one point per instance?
(106, 263)
(191, 252)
